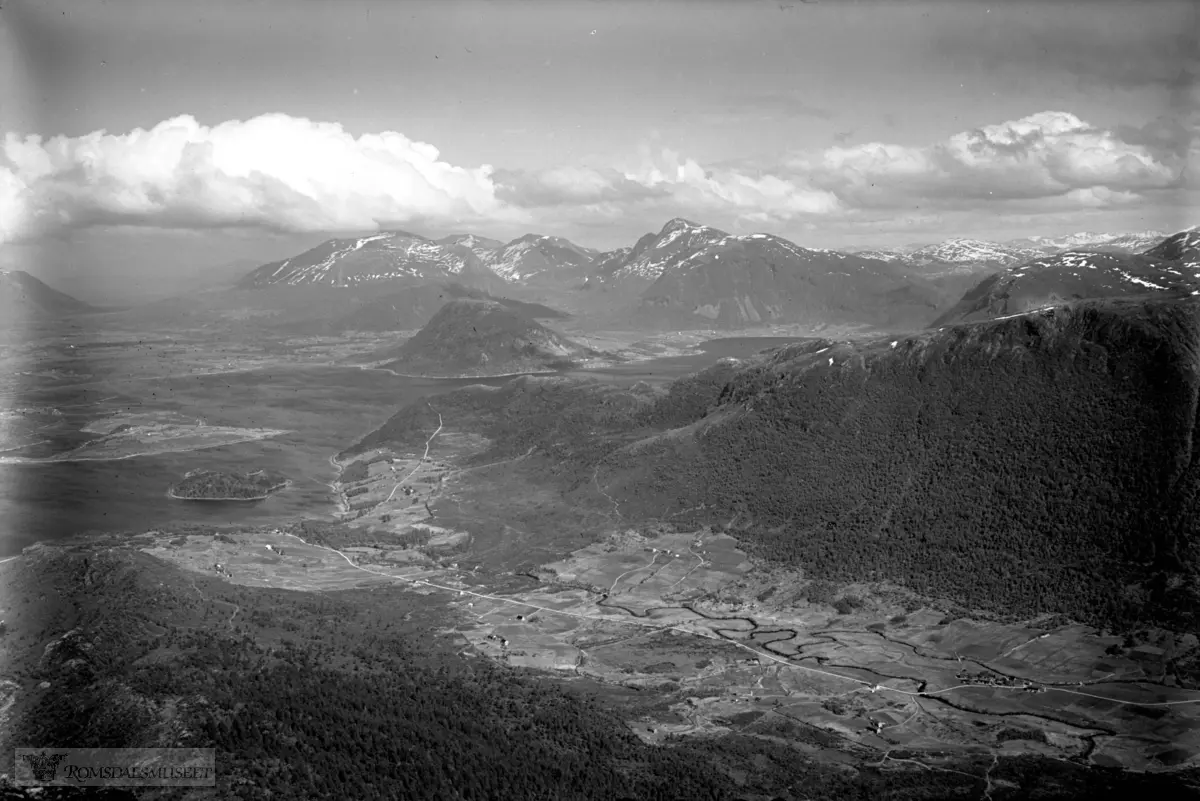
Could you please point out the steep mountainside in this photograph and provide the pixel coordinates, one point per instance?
(1041, 464)
(481, 337)
(747, 280)
(481, 246)
(408, 308)
(376, 259)
(653, 254)
(1076, 275)
(536, 259)
(23, 297)
(1182, 248)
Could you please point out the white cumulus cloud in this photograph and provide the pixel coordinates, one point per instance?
(1049, 154)
(285, 173)
(272, 171)
(731, 190)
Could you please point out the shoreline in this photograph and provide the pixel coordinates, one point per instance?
(459, 377)
(63, 458)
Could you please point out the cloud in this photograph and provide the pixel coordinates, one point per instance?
(662, 184)
(286, 174)
(273, 171)
(1051, 154)
(730, 191)
(569, 185)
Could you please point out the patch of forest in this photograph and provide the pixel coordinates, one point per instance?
(212, 485)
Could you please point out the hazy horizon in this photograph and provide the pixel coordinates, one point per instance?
(138, 146)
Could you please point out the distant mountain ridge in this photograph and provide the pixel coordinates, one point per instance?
(1169, 268)
(690, 275)
(1014, 251)
(1183, 247)
(541, 258)
(378, 258)
(481, 246)
(653, 254)
(755, 279)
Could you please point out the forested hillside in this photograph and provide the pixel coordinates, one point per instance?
(480, 337)
(1037, 464)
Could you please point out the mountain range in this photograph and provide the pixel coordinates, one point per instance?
(377, 259)
(958, 251)
(689, 275)
(685, 276)
(1069, 276)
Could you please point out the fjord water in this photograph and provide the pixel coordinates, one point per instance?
(323, 408)
(704, 354)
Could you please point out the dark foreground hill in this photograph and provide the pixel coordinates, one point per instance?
(478, 338)
(1041, 464)
(361, 694)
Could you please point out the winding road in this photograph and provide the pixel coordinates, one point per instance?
(424, 456)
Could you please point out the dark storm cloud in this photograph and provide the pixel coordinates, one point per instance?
(1166, 136)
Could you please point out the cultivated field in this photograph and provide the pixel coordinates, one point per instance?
(725, 645)
(643, 612)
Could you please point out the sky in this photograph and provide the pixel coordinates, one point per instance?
(145, 140)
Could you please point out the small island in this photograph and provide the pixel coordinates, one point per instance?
(212, 485)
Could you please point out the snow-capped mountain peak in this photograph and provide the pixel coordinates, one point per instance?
(962, 251)
(655, 253)
(364, 260)
(537, 256)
